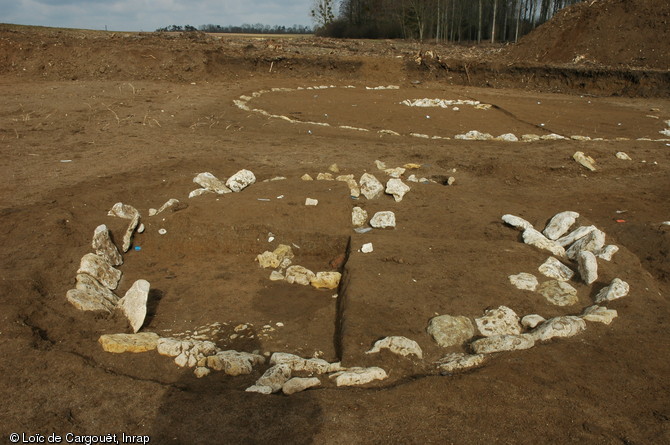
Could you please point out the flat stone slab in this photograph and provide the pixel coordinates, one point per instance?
(358, 376)
(99, 268)
(502, 343)
(117, 343)
(558, 293)
(459, 361)
(134, 303)
(103, 246)
(398, 345)
(500, 321)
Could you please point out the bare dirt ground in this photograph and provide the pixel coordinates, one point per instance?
(90, 119)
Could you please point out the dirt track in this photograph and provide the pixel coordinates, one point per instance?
(139, 133)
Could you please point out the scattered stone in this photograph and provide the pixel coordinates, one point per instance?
(624, 157)
(553, 268)
(383, 220)
(311, 202)
(517, 222)
(240, 180)
(576, 234)
(299, 364)
(306, 177)
(397, 345)
(395, 172)
(367, 248)
(584, 161)
(326, 280)
(359, 217)
(197, 192)
(448, 330)
(607, 252)
(299, 384)
(599, 314)
(275, 377)
(277, 276)
(459, 361)
(535, 238)
(564, 326)
(371, 188)
(558, 293)
(104, 247)
(99, 268)
(234, 362)
(397, 188)
(532, 320)
(559, 224)
(500, 321)
(201, 372)
(299, 275)
(593, 241)
(500, 343)
(210, 183)
(117, 343)
(617, 289)
(524, 281)
(134, 303)
(588, 266)
(358, 376)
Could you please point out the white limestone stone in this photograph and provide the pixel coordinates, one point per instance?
(121, 210)
(311, 202)
(532, 320)
(359, 217)
(564, 326)
(616, 289)
(371, 188)
(119, 343)
(260, 389)
(240, 180)
(128, 235)
(326, 280)
(516, 222)
(535, 238)
(172, 202)
(501, 343)
(560, 224)
(500, 321)
(197, 192)
(599, 314)
(89, 284)
(275, 275)
(397, 345)
(397, 188)
(358, 376)
(209, 182)
(459, 361)
(380, 165)
(383, 220)
(299, 384)
(88, 300)
(524, 281)
(367, 248)
(99, 268)
(474, 135)
(103, 246)
(530, 137)
(587, 266)
(396, 172)
(552, 137)
(558, 293)
(299, 275)
(171, 347)
(201, 371)
(623, 156)
(553, 268)
(134, 304)
(584, 160)
(448, 330)
(275, 377)
(234, 362)
(593, 241)
(507, 137)
(576, 234)
(607, 252)
(306, 177)
(325, 177)
(299, 364)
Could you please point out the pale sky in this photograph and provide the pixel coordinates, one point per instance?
(147, 15)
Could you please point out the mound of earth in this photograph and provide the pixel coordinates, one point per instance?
(632, 33)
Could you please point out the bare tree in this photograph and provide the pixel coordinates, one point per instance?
(322, 12)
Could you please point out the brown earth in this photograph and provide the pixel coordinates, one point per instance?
(89, 119)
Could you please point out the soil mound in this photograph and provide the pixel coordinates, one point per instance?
(632, 33)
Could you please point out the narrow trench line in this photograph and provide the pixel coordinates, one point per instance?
(342, 297)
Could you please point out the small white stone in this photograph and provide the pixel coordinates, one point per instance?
(367, 248)
(396, 172)
(459, 361)
(397, 345)
(607, 252)
(599, 314)
(276, 276)
(162, 231)
(532, 320)
(617, 289)
(240, 180)
(311, 202)
(535, 238)
(198, 192)
(516, 222)
(397, 188)
(383, 220)
(564, 326)
(358, 376)
(306, 177)
(559, 293)
(584, 160)
(260, 389)
(501, 343)
(325, 177)
(500, 321)
(299, 364)
(559, 224)
(299, 384)
(576, 234)
(209, 182)
(524, 281)
(624, 157)
(359, 217)
(201, 372)
(507, 137)
(588, 266)
(593, 241)
(371, 188)
(553, 268)
(299, 275)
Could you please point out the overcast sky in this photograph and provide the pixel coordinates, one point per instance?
(147, 15)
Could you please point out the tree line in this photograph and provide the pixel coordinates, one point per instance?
(246, 28)
(441, 20)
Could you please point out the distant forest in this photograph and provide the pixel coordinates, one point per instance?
(258, 28)
(441, 20)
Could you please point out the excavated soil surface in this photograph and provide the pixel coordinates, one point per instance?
(91, 119)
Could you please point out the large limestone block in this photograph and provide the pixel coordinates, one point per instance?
(134, 303)
(617, 289)
(500, 321)
(564, 326)
(501, 343)
(560, 224)
(121, 210)
(576, 234)
(209, 182)
(523, 281)
(599, 314)
(91, 285)
(383, 220)
(140, 342)
(99, 268)
(275, 377)
(130, 231)
(397, 188)
(397, 345)
(516, 222)
(358, 376)
(371, 188)
(234, 362)
(535, 238)
(459, 361)
(171, 347)
(448, 330)
(553, 268)
(359, 217)
(299, 384)
(299, 275)
(103, 246)
(530, 321)
(326, 280)
(587, 266)
(559, 293)
(593, 241)
(607, 252)
(299, 364)
(240, 180)
(89, 301)
(584, 160)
